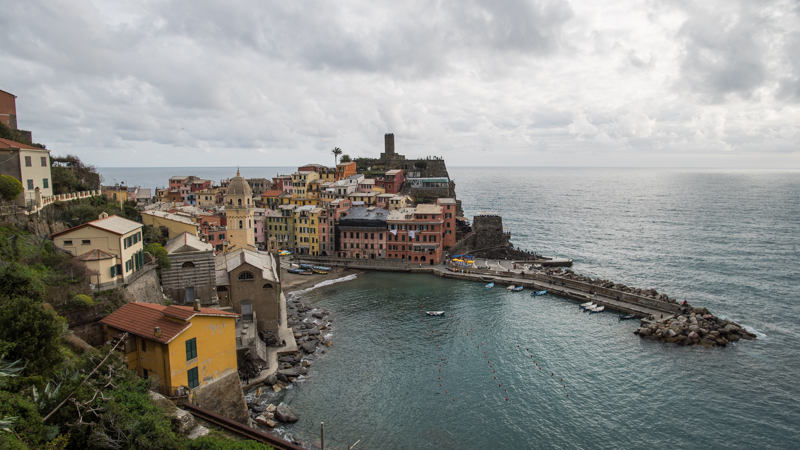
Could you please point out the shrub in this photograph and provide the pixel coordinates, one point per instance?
(82, 301)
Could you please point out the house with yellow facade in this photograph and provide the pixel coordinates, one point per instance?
(171, 223)
(110, 246)
(300, 181)
(306, 230)
(183, 347)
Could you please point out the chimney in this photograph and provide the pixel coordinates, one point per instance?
(157, 332)
(197, 305)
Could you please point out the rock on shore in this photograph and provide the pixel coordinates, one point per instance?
(693, 326)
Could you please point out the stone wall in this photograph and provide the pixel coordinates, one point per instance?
(84, 323)
(145, 287)
(201, 276)
(223, 396)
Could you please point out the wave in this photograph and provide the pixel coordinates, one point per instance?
(327, 283)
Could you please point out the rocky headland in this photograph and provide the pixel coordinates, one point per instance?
(693, 326)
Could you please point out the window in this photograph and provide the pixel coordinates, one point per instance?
(44, 161)
(188, 265)
(28, 162)
(86, 242)
(246, 276)
(30, 184)
(45, 183)
(68, 242)
(127, 266)
(267, 286)
(144, 345)
(193, 379)
(191, 349)
(113, 271)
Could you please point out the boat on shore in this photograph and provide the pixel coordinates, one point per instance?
(320, 271)
(434, 313)
(326, 269)
(490, 285)
(301, 271)
(538, 293)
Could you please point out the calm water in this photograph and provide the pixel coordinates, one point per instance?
(727, 240)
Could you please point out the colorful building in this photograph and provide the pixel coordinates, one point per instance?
(306, 230)
(449, 208)
(362, 233)
(415, 234)
(183, 347)
(111, 246)
(31, 166)
(392, 182)
(344, 170)
(172, 224)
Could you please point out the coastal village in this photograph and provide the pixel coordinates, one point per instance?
(213, 328)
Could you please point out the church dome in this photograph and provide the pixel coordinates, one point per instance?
(239, 187)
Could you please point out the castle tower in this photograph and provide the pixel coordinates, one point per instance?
(239, 212)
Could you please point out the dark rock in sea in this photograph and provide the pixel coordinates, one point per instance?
(286, 414)
(282, 377)
(271, 379)
(309, 347)
(288, 373)
(314, 331)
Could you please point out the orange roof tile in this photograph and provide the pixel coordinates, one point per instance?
(273, 193)
(141, 319)
(7, 143)
(187, 312)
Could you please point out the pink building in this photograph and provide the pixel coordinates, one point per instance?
(415, 234)
(392, 183)
(449, 227)
(362, 233)
(259, 218)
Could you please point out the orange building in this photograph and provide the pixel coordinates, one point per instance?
(345, 170)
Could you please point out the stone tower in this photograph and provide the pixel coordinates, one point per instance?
(239, 212)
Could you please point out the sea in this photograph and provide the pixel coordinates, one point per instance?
(509, 371)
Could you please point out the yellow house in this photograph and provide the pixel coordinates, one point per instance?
(175, 224)
(300, 181)
(116, 194)
(111, 245)
(306, 230)
(183, 346)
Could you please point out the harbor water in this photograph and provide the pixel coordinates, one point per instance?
(723, 239)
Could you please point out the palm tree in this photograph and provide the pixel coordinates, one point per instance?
(336, 152)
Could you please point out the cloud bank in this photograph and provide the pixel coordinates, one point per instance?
(503, 82)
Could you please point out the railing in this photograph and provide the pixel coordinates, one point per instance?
(41, 202)
(247, 318)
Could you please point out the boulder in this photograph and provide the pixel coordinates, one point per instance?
(305, 363)
(271, 408)
(286, 414)
(330, 344)
(183, 422)
(309, 347)
(314, 331)
(302, 371)
(645, 331)
(706, 343)
(288, 373)
(271, 379)
(282, 377)
(694, 335)
(197, 432)
(262, 420)
(733, 337)
(259, 408)
(672, 333)
(694, 329)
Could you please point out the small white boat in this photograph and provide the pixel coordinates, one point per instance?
(598, 309)
(518, 288)
(584, 305)
(590, 308)
(434, 313)
(490, 285)
(510, 288)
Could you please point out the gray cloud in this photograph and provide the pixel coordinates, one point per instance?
(528, 82)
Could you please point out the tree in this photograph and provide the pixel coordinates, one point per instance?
(345, 158)
(336, 152)
(34, 332)
(159, 253)
(10, 188)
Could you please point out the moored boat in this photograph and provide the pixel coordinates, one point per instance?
(518, 288)
(510, 288)
(627, 317)
(590, 308)
(598, 309)
(537, 293)
(490, 285)
(586, 305)
(434, 313)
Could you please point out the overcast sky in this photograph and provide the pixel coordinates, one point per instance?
(711, 83)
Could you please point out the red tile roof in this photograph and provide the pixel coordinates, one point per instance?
(142, 318)
(187, 312)
(273, 193)
(7, 143)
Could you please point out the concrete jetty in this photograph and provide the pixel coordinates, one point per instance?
(624, 302)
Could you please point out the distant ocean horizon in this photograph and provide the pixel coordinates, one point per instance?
(724, 239)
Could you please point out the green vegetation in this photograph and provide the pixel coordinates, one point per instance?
(10, 188)
(336, 152)
(53, 398)
(23, 137)
(78, 212)
(160, 254)
(70, 174)
(345, 158)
